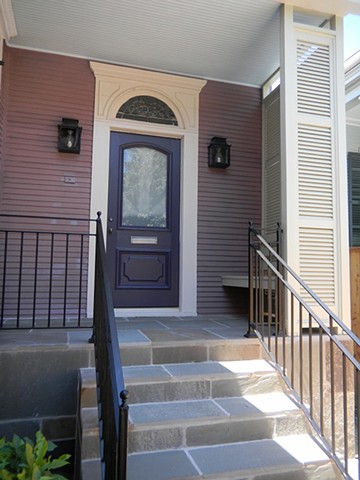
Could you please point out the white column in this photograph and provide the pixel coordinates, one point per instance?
(313, 146)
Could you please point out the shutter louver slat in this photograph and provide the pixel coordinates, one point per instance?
(317, 264)
(315, 171)
(313, 79)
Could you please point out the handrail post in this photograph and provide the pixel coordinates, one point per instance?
(123, 436)
(98, 224)
(250, 332)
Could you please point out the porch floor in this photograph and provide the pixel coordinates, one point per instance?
(136, 331)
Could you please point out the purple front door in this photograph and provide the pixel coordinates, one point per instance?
(143, 220)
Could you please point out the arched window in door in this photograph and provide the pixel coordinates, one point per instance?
(145, 108)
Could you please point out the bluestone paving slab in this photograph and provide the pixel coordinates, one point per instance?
(91, 470)
(179, 354)
(186, 324)
(155, 439)
(181, 335)
(148, 373)
(249, 366)
(169, 391)
(165, 465)
(32, 338)
(178, 412)
(77, 337)
(230, 431)
(45, 381)
(264, 404)
(225, 332)
(132, 336)
(251, 385)
(255, 457)
(203, 369)
(138, 355)
(218, 369)
(139, 323)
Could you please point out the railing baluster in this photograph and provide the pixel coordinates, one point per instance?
(332, 389)
(345, 412)
(292, 352)
(301, 366)
(51, 275)
(269, 302)
(35, 278)
(66, 277)
(321, 380)
(4, 279)
(283, 346)
(20, 279)
(311, 367)
(80, 277)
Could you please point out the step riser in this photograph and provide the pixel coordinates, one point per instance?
(198, 390)
(158, 355)
(212, 433)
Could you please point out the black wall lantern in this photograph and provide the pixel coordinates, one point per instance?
(219, 153)
(69, 136)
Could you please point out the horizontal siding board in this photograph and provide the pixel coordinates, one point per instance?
(33, 169)
(45, 88)
(229, 198)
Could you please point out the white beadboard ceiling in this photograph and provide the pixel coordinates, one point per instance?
(229, 40)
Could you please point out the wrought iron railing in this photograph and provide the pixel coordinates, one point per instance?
(312, 349)
(43, 272)
(43, 284)
(112, 396)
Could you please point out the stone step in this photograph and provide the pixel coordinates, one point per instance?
(197, 381)
(137, 349)
(295, 457)
(207, 422)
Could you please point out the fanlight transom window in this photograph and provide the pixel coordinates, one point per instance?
(145, 108)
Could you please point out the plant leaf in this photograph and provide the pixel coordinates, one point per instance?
(29, 455)
(51, 446)
(22, 475)
(5, 475)
(40, 449)
(56, 476)
(58, 462)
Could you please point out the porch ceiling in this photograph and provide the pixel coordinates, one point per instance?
(230, 40)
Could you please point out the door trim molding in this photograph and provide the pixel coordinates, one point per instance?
(114, 86)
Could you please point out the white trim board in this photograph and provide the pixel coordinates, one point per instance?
(114, 86)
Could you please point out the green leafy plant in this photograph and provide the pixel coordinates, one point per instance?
(22, 459)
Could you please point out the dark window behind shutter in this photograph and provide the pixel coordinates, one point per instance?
(354, 198)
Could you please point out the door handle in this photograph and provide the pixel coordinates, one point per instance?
(110, 230)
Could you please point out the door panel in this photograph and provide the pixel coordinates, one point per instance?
(143, 220)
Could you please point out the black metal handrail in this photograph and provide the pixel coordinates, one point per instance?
(112, 395)
(314, 352)
(43, 271)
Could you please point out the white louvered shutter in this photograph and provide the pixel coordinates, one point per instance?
(317, 265)
(271, 161)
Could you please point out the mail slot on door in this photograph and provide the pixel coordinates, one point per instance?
(144, 240)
